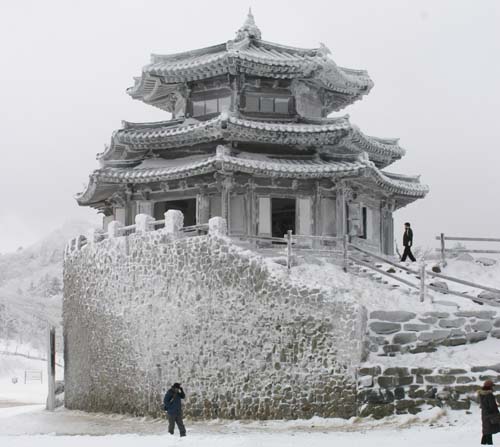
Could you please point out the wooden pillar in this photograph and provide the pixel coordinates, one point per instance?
(51, 369)
(145, 207)
(387, 229)
(202, 208)
(225, 197)
(316, 212)
(344, 194)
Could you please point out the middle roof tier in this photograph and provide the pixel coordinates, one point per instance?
(327, 138)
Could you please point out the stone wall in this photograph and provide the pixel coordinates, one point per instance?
(401, 390)
(143, 311)
(393, 332)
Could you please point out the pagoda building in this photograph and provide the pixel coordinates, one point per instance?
(250, 140)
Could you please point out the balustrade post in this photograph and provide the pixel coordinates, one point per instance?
(91, 236)
(217, 226)
(114, 229)
(143, 223)
(346, 250)
(174, 221)
(288, 250)
(443, 251)
(422, 280)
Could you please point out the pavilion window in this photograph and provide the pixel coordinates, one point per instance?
(281, 105)
(211, 106)
(252, 104)
(267, 104)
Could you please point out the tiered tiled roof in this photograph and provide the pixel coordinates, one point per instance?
(131, 144)
(250, 55)
(158, 170)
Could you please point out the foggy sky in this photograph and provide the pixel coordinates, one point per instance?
(65, 66)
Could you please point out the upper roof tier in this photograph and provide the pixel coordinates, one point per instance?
(248, 54)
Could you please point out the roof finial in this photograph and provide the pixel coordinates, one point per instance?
(249, 29)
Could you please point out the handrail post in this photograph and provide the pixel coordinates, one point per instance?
(345, 247)
(422, 280)
(443, 256)
(289, 250)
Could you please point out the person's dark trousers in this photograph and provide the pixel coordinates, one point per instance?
(176, 419)
(407, 254)
(487, 440)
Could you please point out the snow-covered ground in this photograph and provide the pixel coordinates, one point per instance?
(12, 369)
(376, 296)
(33, 426)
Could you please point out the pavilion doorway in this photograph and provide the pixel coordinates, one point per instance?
(187, 206)
(282, 216)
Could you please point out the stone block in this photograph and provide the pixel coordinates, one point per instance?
(481, 314)
(403, 338)
(370, 371)
(416, 327)
(457, 333)
(403, 405)
(454, 341)
(464, 379)
(423, 348)
(475, 337)
(377, 411)
(416, 393)
(448, 323)
(381, 327)
(441, 379)
(437, 314)
(399, 393)
(421, 371)
(466, 389)
(395, 371)
(394, 381)
(453, 371)
(484, 326)
(492, 377)
(428, 320)
(391, 349)
(434, 336)
(395, 316)
(485, 295)
(459, 404)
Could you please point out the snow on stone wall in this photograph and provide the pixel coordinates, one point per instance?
(384, 391)
(143, 311)
(394, 332)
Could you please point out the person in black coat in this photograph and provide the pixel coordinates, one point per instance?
(173, 406)
(490, 415)
(407, 243)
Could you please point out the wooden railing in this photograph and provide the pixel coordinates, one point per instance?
(422, 274)
(350, 253)
(443, 250)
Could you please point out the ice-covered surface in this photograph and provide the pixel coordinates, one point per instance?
(376, 296)
(31, 426)
(479, 354)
